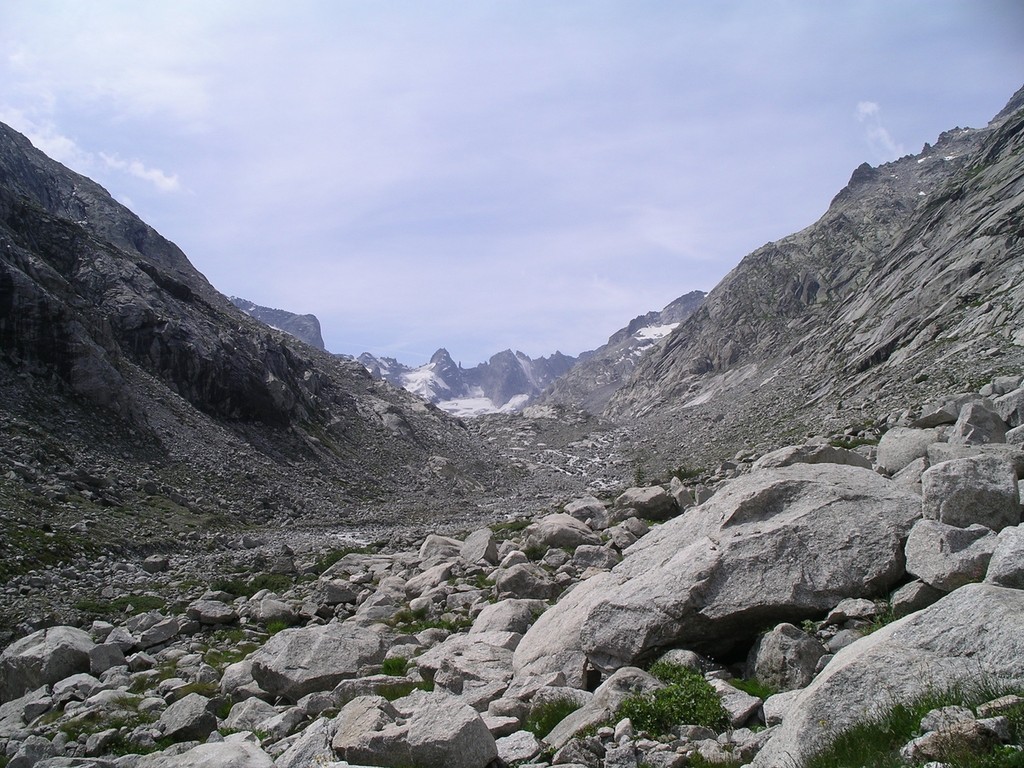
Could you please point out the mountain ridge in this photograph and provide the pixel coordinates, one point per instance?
(120, 362)
(909, 284)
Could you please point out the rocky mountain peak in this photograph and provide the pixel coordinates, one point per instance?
(120, 362)
(909, 282)
(303, 327)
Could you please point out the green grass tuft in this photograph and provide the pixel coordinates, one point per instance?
(754, 687)
(544, 717)
(876, 742)
(395, 667)
(687, 699)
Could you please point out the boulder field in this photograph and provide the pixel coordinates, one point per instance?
(842, 581)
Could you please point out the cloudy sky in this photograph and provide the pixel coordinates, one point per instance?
(485, 174)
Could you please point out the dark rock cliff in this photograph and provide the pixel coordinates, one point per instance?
(116, 353)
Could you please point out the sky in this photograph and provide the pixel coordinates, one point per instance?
(490, 174)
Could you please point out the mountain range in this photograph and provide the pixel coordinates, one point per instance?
(253, 530)
(130, 383)
(508, 381)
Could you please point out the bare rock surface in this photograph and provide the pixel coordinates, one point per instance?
(765, 547)
(937, 647)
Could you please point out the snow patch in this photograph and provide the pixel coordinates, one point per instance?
(424, 382)
(467, 407)
(655, 332)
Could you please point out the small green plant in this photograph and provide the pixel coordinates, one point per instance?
(274, 582)
(236, 587)
(503, 531)
(125, 604)
(687, 473)
(410, 622)
(875, 743)
(544, 717)
(754, 687)
(887, 616)
(687, 699)
(277, 625)
(395, 666)
(849, 443)
(209, 690)
(696, 761)
(535, 552)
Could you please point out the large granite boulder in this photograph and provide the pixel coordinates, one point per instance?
(771, 546)
(236, 751)
(43, 658)
(901, 445)
(978, 489)
(946, 557)
(940, 647)
(785, 658)
(295, 662)
(1006, 568)
(559, 530)
(431, 731)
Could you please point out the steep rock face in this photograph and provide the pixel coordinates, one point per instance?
(599, 374)
(105, 327)
(303, 327)
(911, 282)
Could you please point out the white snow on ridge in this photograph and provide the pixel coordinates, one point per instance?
(655, 332)
(424, 382)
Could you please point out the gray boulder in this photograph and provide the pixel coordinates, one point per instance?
(939, 647)
(593, 556)
(785, 658)
(981, 489)
(437, 548)
(476, 667)
(739, 706)
(1006, 568)
(901, 445)
(518, 747)
(940, 452)
(247, 715)
(211, 612)
(43, 658)
(525, 581)
(946, 557)
(590, 510)
(236, 751)
(770, 546)
(650, 503)
(444, 733)
(436, 731)
(978, 425)
(1010, 407)
(511, 615)
(295, 662)
(312, 747)
(913, 597)
(559, 530)
(480, 546)
(189, 719)
(811, 453)
(366, 731)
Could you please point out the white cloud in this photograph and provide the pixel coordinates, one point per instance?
(866, 109)
(879, 138)
(46, 137)
(155, 176)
